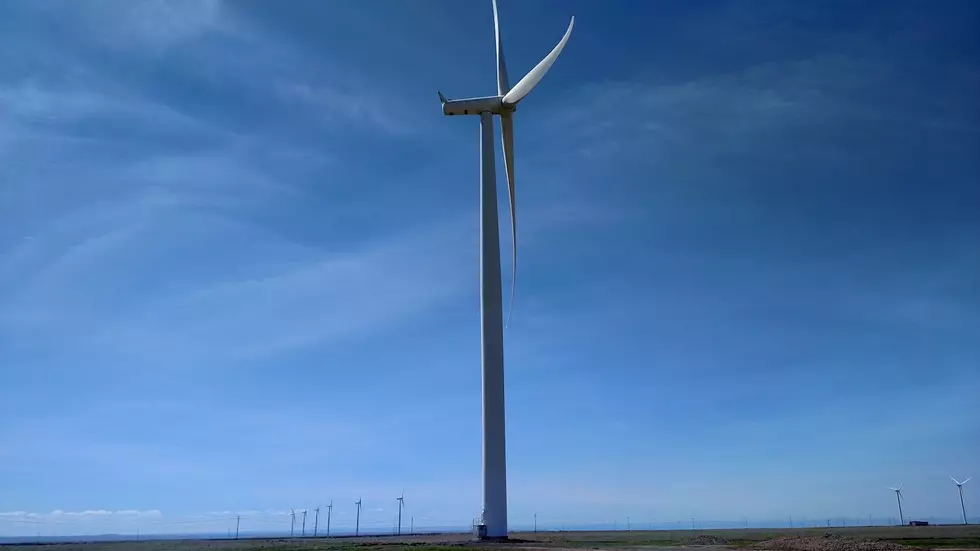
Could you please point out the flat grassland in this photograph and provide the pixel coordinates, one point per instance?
(808, 539)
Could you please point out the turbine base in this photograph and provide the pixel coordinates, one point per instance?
(480, 534)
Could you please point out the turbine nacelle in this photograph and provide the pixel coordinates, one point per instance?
(475, 106)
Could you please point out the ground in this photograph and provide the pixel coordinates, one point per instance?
(810, 539)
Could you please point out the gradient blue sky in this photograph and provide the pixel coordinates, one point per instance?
(238, 258)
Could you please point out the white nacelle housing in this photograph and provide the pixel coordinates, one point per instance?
(473, 106)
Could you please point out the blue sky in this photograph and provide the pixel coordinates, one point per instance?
(238, 260)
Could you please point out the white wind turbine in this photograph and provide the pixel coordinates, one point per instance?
(401, 505)
(491, 308)
(357, 521)
(959, 486)
(898, 496)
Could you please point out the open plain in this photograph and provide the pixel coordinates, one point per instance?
(948, 537)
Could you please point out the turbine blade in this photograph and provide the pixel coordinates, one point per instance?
(957, 482)
(503, 86)
(507, 137)
(965, 481)
(531, 79)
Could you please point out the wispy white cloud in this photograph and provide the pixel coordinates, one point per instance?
(58, 513)
(338, 107)
(134, 200)
(156, 23)
(153, 26)
(30, 100)
(131, 194)
(221, 178)
(273, 72)
(791, 101)
(313, 298)
(52, 108)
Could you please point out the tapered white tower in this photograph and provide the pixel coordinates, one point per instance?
(494, 516)
(959, 486)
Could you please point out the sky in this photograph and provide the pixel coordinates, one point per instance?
(239, 261)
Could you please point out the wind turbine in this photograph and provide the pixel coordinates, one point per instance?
(959, 486)
(401, 503)
(503, 104)
(898, 496)
(329, 513)
(357, 522)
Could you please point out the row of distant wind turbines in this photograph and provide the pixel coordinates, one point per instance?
(959, 487)
(357, 519)
(401, 505)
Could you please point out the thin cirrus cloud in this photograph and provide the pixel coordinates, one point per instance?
(757, 105)
(335, 106)
(311, 298)
(86, 513)
(151, 191)
(150, 27)
(278, 76)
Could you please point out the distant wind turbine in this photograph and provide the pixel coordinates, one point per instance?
(329, 513)
(401, 503)
(357, 522)
(898, 496)
(292, 522)
(503, 104)
(959, 486)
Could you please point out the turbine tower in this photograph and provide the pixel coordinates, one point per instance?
(357, 521)
(959, 486)
(329, 513)
(898, 496)
(401, 504)
(503, 105)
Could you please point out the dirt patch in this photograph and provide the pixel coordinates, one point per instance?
(706, 539)
(827, 542)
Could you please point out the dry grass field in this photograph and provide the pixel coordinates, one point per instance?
(808, 539)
